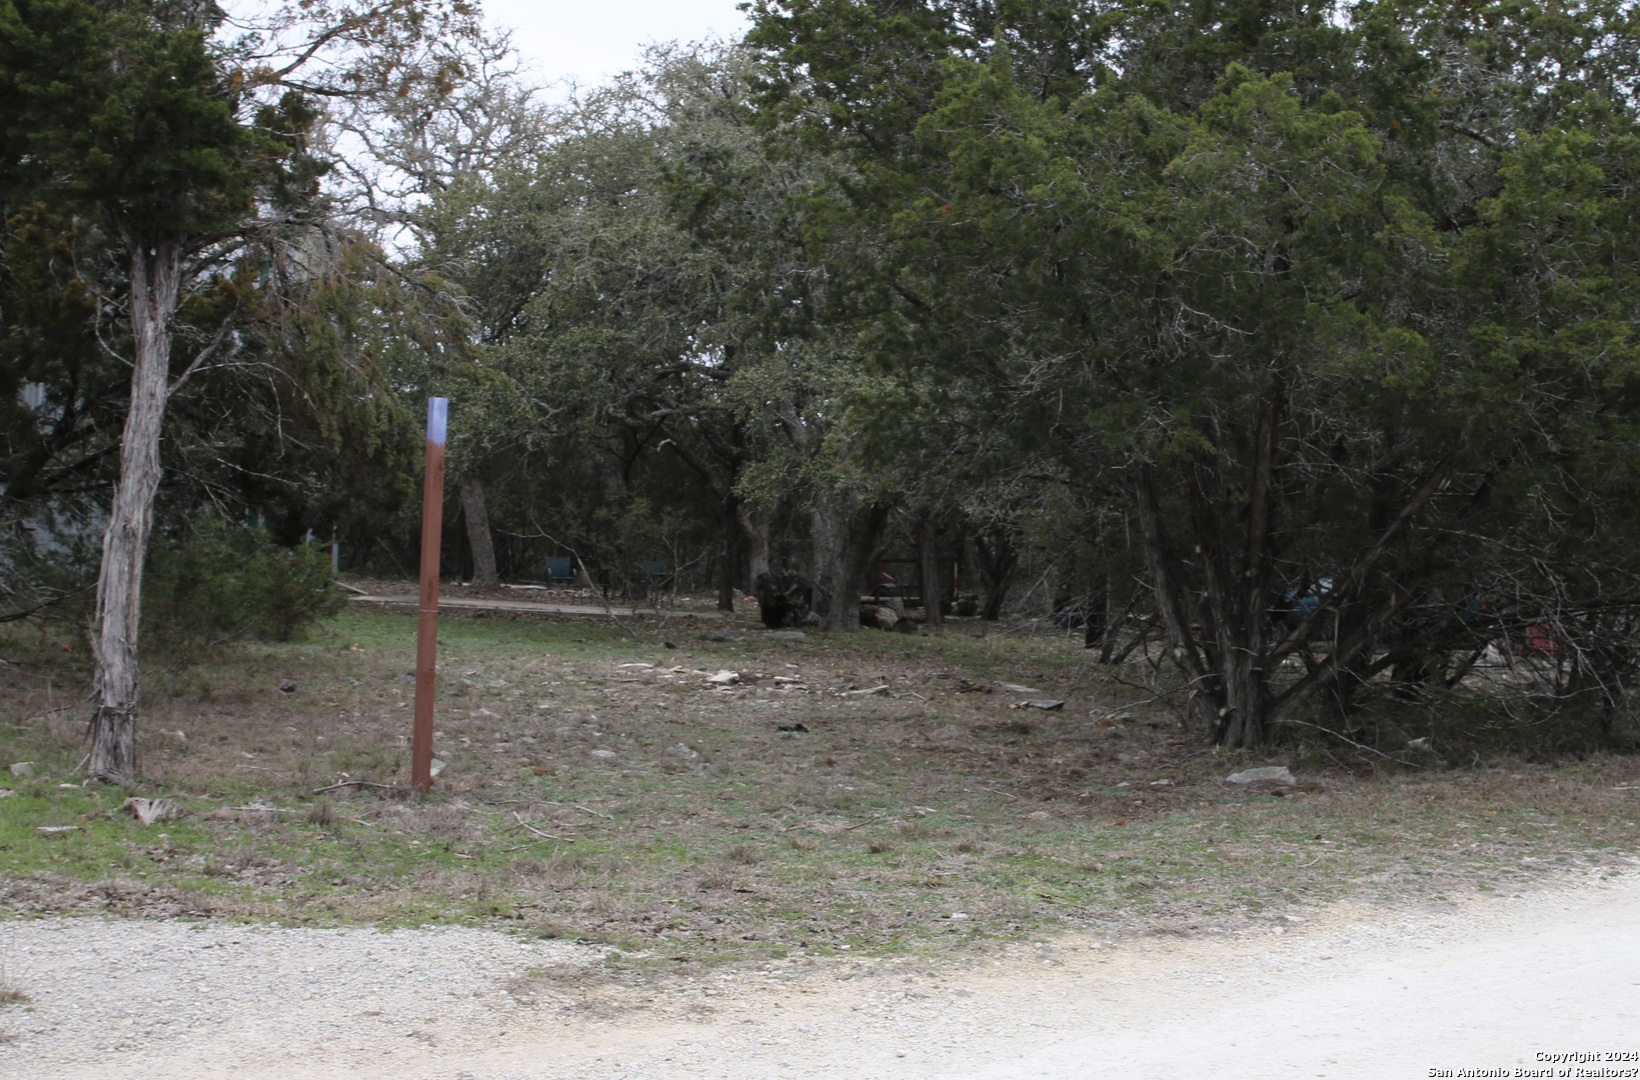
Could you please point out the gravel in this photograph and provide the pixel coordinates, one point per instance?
(1344, 991)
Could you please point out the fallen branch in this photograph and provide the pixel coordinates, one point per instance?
(1352, 742)
(538, 832)
(355, 783)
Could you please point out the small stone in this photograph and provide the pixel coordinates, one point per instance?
(786, 635)
(1045, 704)
(6, 793)
(287, 687)
(1276, 773)
(22, 769)
(682, 751)
(724, 677)
(603, 753)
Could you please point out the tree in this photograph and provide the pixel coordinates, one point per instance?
(1285, 320)
(128, 110)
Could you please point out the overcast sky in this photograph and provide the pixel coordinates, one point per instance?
(588, 42)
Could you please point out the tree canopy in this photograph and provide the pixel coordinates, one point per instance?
(1302, 335)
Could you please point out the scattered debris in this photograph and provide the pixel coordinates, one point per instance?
(867, 692)
(544, 835)
(6, 793)
(1277, 773)
(437, 767)
(799, 726)
(1015, 688)
(1045, 704)
(722, 636)
(643, 666)
(22, 769)
(287, 687)
(56, 830)
(786, 635)
(603, 753)
(682, 750)
(152, 811)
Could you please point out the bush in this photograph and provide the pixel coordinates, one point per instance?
(217, 582)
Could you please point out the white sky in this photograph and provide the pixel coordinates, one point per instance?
(590, 40)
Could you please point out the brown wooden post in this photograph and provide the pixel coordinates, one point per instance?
(432, 528)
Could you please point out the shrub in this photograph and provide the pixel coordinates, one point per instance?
(216, 582)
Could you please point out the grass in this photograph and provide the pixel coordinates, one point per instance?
(598, 788)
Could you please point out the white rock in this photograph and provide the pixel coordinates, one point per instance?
(150, 811)
(22, 768)
(1278, 773)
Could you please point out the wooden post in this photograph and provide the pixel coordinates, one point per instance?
(432, 527)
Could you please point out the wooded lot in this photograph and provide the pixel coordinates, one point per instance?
(1300, 339)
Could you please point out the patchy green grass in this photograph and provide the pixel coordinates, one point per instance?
(599, 787)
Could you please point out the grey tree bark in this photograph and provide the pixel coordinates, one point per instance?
(156, 277)
(845, 534)
(479, 536)
(754, 532)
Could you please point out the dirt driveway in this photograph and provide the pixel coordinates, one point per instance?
(1483, 984)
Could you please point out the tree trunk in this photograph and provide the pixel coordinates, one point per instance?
(1167, 582)
(729, 565)
(478, 533)
(845, 538)
(933, 585)
(996, 559)
(116, 686)
(754, 532)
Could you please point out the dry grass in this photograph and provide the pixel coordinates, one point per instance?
(598, 787)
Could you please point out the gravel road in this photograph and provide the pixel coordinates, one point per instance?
(1341, 992)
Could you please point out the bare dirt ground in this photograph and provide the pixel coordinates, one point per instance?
(1501, 983)
(865, 855)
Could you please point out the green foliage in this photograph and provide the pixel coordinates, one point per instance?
(122, 106)
(217, 582)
